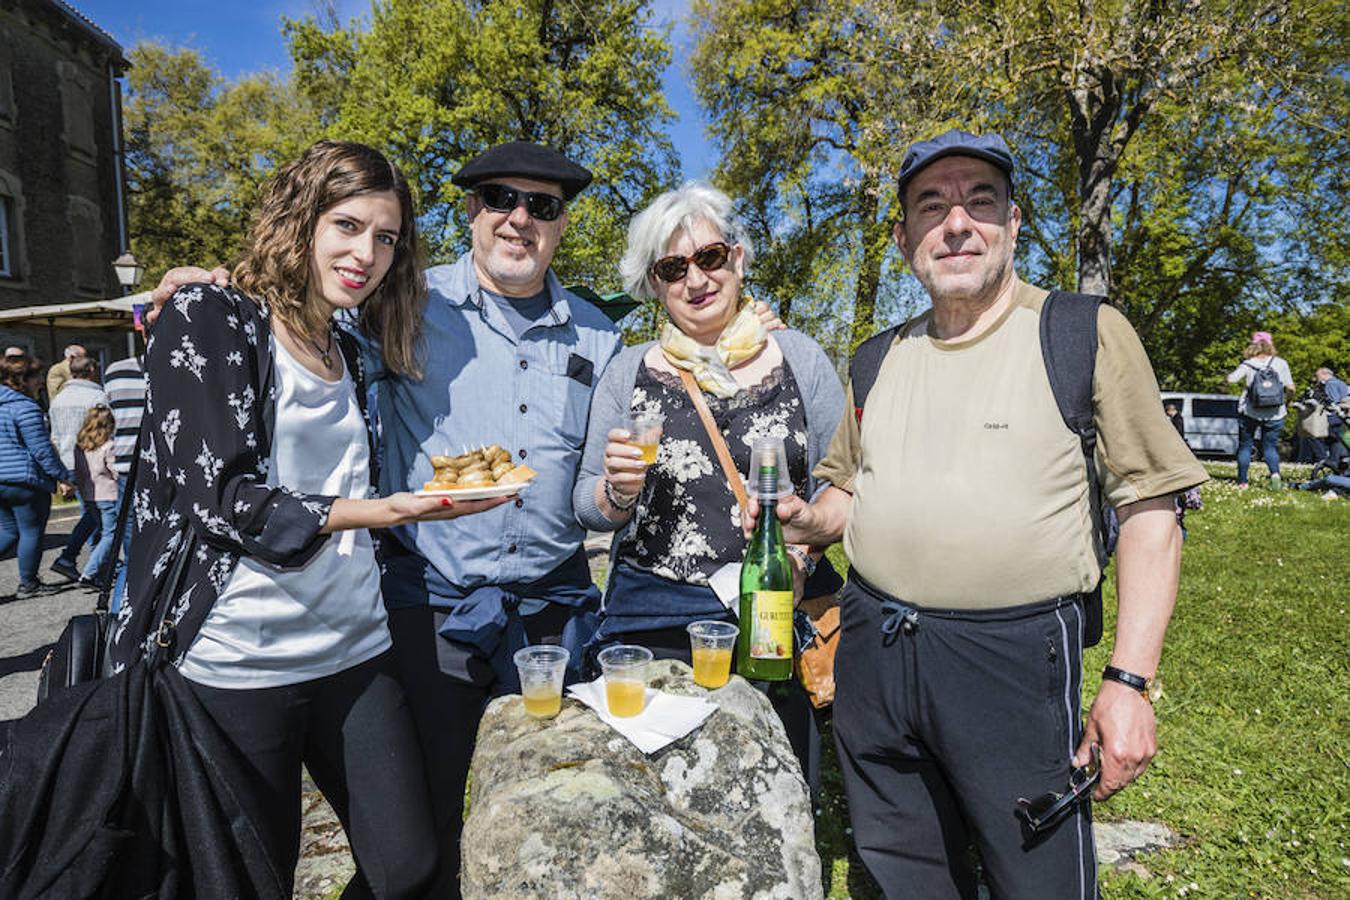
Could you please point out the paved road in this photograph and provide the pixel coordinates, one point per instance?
(28, 627)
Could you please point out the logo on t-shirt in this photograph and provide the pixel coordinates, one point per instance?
(995, 426)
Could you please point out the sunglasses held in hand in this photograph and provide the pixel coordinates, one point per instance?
(504, 198)
(1040, 813)
(709, 258)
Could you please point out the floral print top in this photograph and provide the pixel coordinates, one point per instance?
(201, 482)
(687, 524)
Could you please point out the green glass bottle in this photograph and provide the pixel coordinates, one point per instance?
(764, 645)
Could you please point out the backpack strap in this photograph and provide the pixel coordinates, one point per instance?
(1069, 348)
(865, 365)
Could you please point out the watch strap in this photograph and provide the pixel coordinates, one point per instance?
(1147, 687)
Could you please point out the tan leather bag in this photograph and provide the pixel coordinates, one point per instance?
(815, 660)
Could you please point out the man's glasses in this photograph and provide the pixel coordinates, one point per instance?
(709, 258)
(503, 198)
(1040, 813)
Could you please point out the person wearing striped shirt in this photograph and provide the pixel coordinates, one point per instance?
(124, 383)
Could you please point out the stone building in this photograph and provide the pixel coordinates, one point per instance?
(62, 209)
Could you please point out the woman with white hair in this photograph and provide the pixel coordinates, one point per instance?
(677, 519)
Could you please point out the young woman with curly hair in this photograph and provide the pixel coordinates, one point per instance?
(257, 464)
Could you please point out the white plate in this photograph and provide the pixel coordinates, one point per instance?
(476, 493)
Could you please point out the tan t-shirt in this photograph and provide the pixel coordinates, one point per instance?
(969, 491)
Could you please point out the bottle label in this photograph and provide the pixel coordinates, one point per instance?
(771, 625)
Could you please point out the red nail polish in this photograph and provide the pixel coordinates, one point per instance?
(445, 501)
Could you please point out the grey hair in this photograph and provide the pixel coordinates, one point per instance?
(678, 210)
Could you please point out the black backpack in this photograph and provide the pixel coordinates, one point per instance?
(1266, 390)
(1069, 348)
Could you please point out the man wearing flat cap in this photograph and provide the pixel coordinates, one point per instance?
(966, 505)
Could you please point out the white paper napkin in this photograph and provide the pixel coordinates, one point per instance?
(665, 718)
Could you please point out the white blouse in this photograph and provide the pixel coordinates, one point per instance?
(272, 627)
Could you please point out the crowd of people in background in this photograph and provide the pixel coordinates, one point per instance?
(65, 443)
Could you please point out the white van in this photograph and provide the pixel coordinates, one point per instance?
(1211, 422)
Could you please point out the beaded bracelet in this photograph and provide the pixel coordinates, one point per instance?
(613, 497)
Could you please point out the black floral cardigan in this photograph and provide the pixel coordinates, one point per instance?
(201, 484)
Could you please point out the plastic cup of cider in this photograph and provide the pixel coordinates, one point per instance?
(625, 671)
(644, 432)
(711, 644)
(541, 671)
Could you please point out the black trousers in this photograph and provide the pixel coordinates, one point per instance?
(941, 726)
(447, 710)
(354, 732)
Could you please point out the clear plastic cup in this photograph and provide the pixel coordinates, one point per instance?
(625, 670)
(644, 432)
(711, 644)
(541, 671)
(768, 451)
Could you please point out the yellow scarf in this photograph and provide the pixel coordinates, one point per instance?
(740, 340)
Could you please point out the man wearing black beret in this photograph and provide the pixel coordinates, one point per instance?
(511, 358)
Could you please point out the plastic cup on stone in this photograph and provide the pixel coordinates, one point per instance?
(711, 644)
(541, 671)
(625, 671)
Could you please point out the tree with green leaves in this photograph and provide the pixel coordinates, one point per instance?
(435, 82)
(794, 108)
(197, 150)
(1183, 157)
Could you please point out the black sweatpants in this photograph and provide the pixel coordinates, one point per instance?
(355, 733)
(941, 725)
(447, 709)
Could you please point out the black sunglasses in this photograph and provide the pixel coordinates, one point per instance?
(1040, 813)
(504, 198)
(709, 258)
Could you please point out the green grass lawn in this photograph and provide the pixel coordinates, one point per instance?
(1254, 765)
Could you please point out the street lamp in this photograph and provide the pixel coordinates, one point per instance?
(128, 271)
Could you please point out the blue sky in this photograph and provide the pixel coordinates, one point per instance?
(241, 37)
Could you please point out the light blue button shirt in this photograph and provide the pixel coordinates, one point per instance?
(482, 385)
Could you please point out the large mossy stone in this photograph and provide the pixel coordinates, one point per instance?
(569, 808)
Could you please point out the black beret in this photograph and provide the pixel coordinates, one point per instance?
(521, 159)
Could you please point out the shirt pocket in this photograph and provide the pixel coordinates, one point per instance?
(571, 382)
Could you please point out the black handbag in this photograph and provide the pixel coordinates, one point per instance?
(79, 652)
(77, 656)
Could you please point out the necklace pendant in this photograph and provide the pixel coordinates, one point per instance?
(327, 361)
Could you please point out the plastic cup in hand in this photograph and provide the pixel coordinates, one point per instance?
(625, 670)
(541, 671)
(644, 430)
(711, 644)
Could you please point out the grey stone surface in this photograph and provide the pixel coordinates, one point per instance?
(1118, 843)
(569, 808)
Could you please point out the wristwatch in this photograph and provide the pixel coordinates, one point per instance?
(808, 564)
(1150, 689)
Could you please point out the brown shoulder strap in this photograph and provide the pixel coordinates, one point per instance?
(719, 444)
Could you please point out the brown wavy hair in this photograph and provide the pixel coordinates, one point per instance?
(97, 429)
(15, 370)
(276, 264)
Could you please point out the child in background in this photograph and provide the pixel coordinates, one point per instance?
(97, 482)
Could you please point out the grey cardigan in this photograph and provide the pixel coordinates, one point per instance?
(822, 400)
